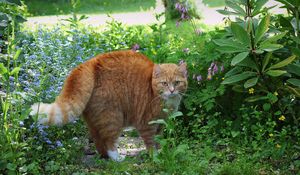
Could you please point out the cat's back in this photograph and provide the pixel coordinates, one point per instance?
(123, 82)
(122, 59)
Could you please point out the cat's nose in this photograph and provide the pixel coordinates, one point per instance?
(171, 89)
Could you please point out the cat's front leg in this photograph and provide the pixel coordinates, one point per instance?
(148, 132)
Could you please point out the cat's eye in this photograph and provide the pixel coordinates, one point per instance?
(164, 83)
(176, 83)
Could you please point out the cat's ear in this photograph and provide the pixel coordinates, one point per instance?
(183, 69)
(156, 70)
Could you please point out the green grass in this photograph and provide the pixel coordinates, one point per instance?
(60, 7)
(214, 3)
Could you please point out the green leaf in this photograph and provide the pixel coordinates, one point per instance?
(251, 82)
(266, 60)
(239, 57)
(17, 54)
(15, 71)
(274, 38)
(294, 68)
(248, 63)
(227, 42)
(270, 47)
(176, 114)
(272, 98)
(3, 69)
(225, 12)
(238, 77)
(294, 81)
(255, 98)
(234, 6)
(283, 63)
(276, 73)
(259, 4)
(262, 28)
(233, 71)
(230, 49)
(240, 33)
(267, 106)
(159, 121)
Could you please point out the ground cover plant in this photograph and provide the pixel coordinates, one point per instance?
(239, 116)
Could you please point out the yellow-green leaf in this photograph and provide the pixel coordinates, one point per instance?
(283, 63)
(251, 82)
(276, 73)
(262, 28)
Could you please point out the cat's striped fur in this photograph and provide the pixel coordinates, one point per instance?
(115, 90)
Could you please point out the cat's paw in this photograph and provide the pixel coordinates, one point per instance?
(115, 156)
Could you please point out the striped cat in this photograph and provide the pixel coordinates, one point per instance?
(116, 90)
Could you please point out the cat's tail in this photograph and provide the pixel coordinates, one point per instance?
(71, 102)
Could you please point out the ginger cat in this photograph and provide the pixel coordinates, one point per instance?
(116, 90)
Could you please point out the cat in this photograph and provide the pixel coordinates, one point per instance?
(116, 90)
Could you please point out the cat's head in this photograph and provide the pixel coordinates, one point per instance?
(169, 80)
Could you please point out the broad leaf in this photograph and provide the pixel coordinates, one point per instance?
(262, 28)
(270, 47)
(259, 4)
(238, 77)
(240, 33)
(233, 71)
(294, 68)
(225, 12)
(294, 81)
(228, 42)
(247, 62)
(283, 63)
(266, 60)
(230, 49)
(273, 38)
(239, 57)
(251, 82)
(234, 6)
(276, 73)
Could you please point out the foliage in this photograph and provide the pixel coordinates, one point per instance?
(186, 7)
(216, 132)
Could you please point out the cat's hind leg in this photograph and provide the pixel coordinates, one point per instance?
(108, 129)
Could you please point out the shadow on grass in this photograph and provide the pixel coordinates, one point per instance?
(62, 7)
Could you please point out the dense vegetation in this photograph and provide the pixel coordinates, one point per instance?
(240, 115)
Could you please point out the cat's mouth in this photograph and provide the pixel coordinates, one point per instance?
(167, 96)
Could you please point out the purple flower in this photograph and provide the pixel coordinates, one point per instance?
(178, 6)
(199, 78)
(135, 47)
(215, 69)
(198, 31)
(181, 62)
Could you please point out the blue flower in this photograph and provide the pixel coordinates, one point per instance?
(59, 144)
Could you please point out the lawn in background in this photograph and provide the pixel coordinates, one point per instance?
(61, 7)
(214, 3)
